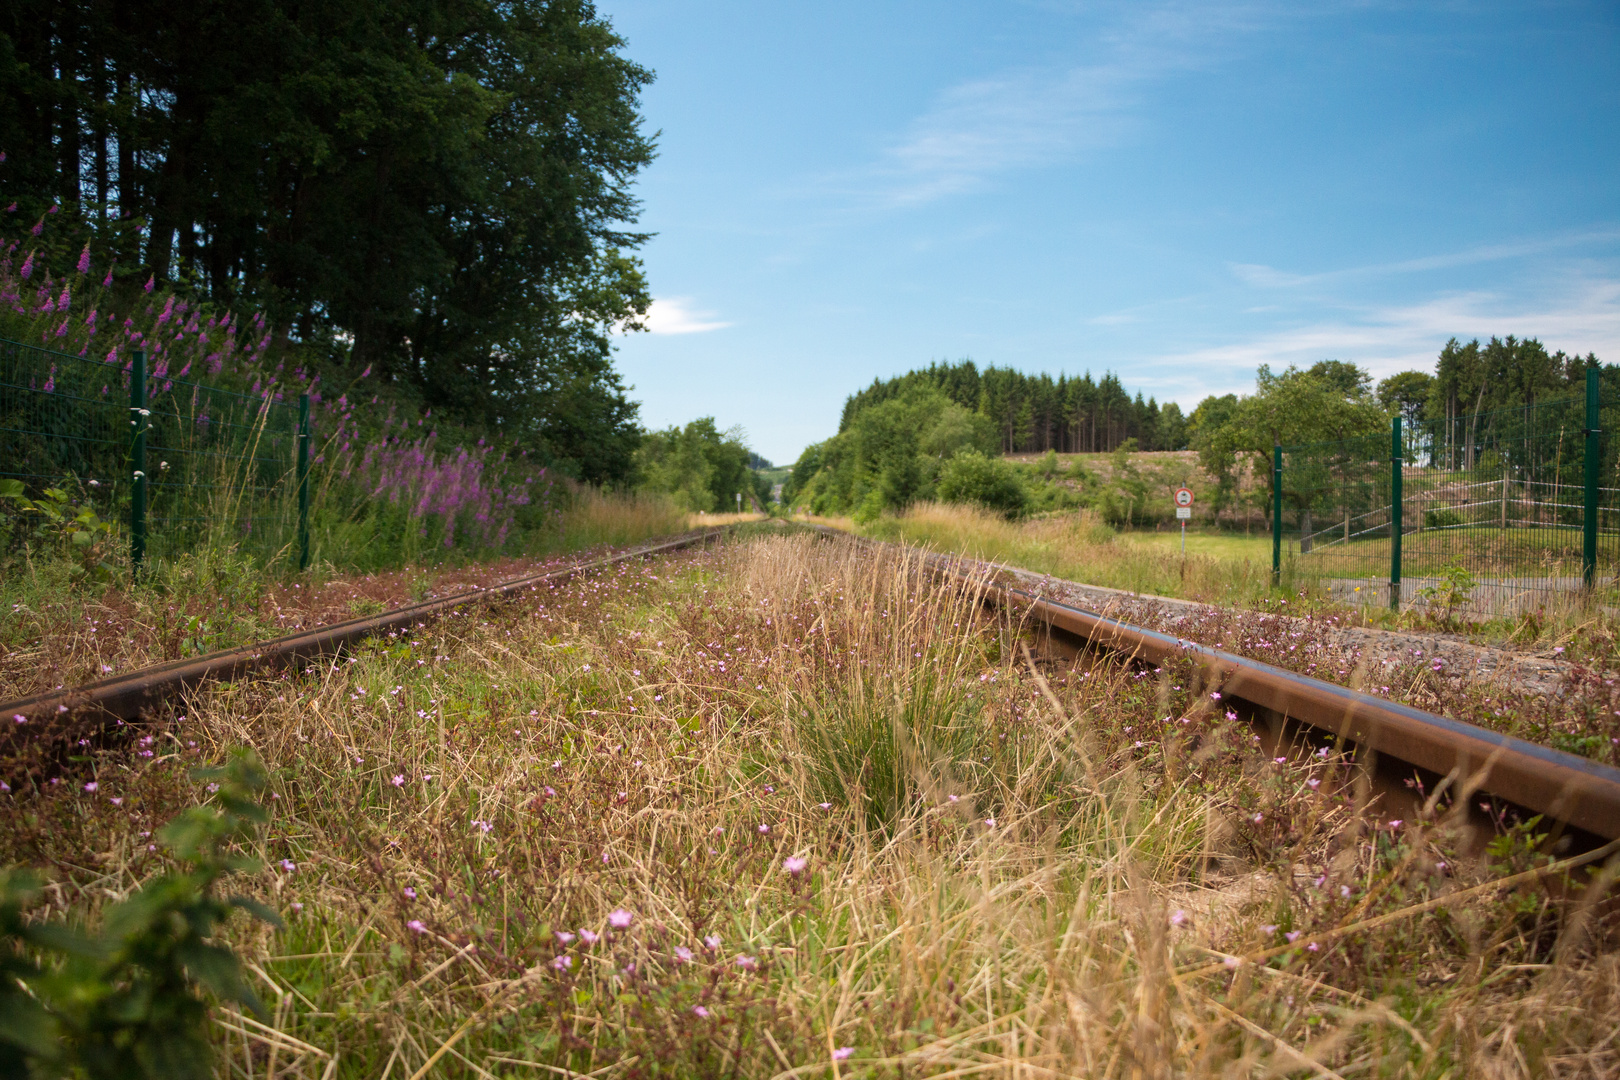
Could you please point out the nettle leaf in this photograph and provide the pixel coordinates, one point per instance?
(24, 1023)
(255, 908)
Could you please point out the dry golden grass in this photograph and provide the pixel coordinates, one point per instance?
(1011, 868)
(703, 520)
(1079, 547)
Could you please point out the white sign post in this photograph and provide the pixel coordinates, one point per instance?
(1184, 501)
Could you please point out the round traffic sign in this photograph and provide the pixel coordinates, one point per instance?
(1184, 497)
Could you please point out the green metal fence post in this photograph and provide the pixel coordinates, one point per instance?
(139, 419)
(1276, 513)
(1395, 499)
(303, 481)
(1594, 461)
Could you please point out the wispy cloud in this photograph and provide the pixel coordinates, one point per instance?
(676, 315)
(1032, 117)
(1384, 340)
(1267, 277)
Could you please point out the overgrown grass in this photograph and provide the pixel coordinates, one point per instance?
(58, 627)
(1232, 570)
(1080, 547)
(566, 838)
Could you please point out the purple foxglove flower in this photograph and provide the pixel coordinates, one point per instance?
(28, 265)
(84, 260)
(150, 282)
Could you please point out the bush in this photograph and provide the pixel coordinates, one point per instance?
(123, 1003)
(970, 477)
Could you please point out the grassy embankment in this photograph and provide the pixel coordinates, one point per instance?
(1228, 569)
(1079, 547)
(779, 809)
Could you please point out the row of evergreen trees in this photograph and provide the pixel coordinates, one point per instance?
(1036, 413)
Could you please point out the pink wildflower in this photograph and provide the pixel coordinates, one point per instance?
(84, 260)
(843, 1053)
(795, 864)
(619, 919)
(416, 925)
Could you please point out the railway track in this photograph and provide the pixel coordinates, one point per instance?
(1566, 788)
(129, 696)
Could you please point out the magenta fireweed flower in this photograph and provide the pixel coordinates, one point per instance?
(84, 260)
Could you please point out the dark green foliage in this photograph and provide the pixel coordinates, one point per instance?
(1033, 413)
(435, 190)
(1329, 400)
(971, 477)
(122, 1004)
(1408, 394)
(703, 467)
(890, 453)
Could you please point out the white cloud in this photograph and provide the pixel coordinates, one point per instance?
(1032, 117)
(675, 315)
(1585, 318)
(1267, 277)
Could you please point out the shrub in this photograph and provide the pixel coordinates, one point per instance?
(121, 1003)
(970, 477)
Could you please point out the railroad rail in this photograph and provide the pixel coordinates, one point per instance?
(1564, 787)
(126, 697)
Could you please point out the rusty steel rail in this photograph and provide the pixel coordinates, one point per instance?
(126, 697)
(1564, 787)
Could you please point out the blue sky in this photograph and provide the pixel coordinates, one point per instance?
(1173, 192)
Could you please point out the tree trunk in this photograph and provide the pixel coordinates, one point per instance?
(1305, 531)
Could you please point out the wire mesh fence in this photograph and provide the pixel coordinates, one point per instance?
(1491, 512)
(179, 465)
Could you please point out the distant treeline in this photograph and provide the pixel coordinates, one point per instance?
(1036, 413)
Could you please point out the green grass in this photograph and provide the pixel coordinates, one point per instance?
(1064, 883)
(1223, 546)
